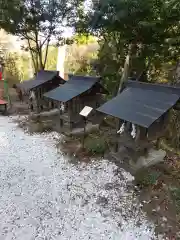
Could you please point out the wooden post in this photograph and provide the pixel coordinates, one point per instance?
(60, 113)
(117, 128)
(70, 113)
(84, 119)
(37, 101)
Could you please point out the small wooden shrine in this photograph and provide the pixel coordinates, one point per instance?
(43, 82)
(73, 96)
(142, 110)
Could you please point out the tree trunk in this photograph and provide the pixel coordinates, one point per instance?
(126, 71)
(40, 55)
(32, 56)
(38, 51)
(143, 76)
(46, 53)
(124, 79)
(36, 59)
(177, 73)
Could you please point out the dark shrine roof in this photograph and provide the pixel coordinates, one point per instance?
(75, 86)
(155, 87)
(141, 104)
(41, 78)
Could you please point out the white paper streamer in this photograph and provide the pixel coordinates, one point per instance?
(133, 133)
(122, 129)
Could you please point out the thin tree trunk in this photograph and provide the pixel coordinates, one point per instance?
(46, 53)
(38, 60)
(123, 80)
(40, 57)
(143, 77)
(32, 57)
(35, 56)
(143, 64)
(126, 71)
(177, 73)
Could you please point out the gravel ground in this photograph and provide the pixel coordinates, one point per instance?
(44, 196)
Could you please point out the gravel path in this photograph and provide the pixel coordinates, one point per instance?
(44, 196)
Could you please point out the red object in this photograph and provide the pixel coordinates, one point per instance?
(0, 75)
(2, 102)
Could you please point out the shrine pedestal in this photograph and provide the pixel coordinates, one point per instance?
(153, 157)
(138, 152)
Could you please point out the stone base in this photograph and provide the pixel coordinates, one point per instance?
(153, 157)
(126, 160)
(53, 112)
(89, 129)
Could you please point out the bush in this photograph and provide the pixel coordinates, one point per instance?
(95, 145)
(176, 196)
(173, 129)
(144, 178)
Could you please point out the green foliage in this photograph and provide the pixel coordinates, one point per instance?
(82, 39)
(38, 22)
(173, 129)
(25, 67)
(95, 144)
(110, 61)
(9, 9)
(152, 27)
(16, 64)
(176, 196)
(138, 21)
(12, 73)
(144, 178)
(80, 59)
(17, 67)
(83, 67)
(51, 62)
